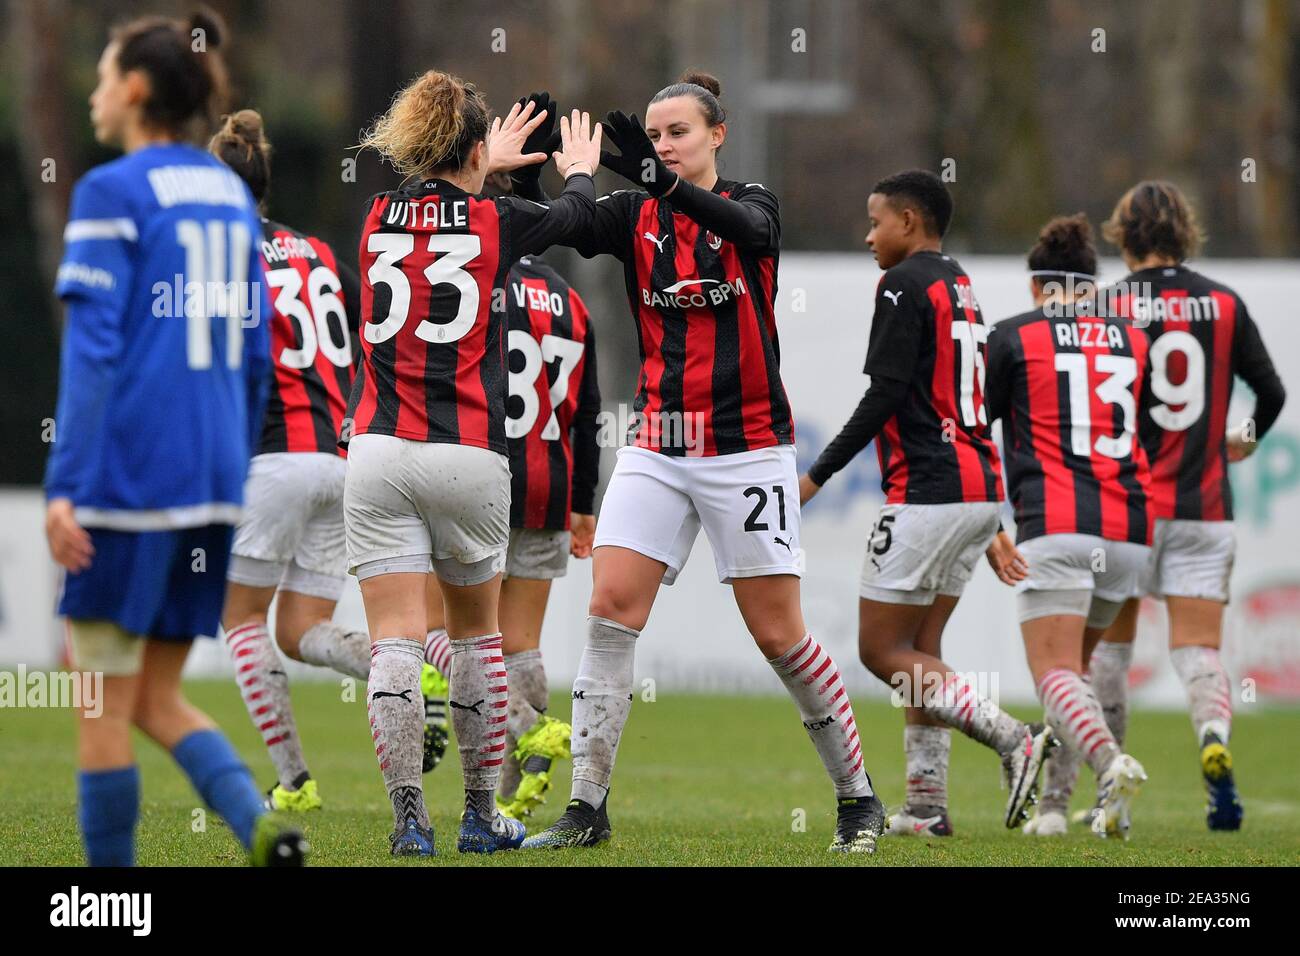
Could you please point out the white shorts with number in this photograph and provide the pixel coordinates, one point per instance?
(747, 503)
(413, 506)
(917, 552)
(1191, 559)
(538, 554)
(291, 535)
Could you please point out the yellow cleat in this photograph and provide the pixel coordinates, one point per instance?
(305, 798)
(544, 743)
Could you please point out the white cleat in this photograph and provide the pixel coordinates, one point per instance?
(1050, 823)
(903, 823)
(1116, 788)
(1020, 771)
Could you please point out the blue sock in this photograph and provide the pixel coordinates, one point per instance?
(221, 779)
(108, 806)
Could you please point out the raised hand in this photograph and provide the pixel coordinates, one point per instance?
(508, 139)
(636, 160)
(544, 139)
(579, 145)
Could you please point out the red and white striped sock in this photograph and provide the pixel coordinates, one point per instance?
(479, 708)
(1209, 692)
(1075, 713)
(813, 680)
(437, 651)
(264, 685)
(960, 705)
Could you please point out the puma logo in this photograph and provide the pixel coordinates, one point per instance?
(383, 693)
(784, 544)
(473, 708)
(657, 240)
(894, 296)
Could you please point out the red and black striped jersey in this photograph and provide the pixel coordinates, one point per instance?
(554, 399)
(434, 261)
(1066, 385)
(927, 331)
(1201, 336)
(315, 303)
(710, 379)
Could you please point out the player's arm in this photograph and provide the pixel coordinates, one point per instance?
(94, 283)
(891, 358)
(586, 453)
(1250, 360)
(535, 227)
(999, 370)
(750, 219)
(351, 283)
(258, 364)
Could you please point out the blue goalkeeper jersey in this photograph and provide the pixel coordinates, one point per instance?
(166, 349)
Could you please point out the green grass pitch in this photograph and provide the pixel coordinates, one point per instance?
(700, 781)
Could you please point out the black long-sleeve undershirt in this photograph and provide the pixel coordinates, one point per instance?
(877, 406)
(748, 224)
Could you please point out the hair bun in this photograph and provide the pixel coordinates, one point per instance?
(706, 80)
(213, 29)
(1066, 233)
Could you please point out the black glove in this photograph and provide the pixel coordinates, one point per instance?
(544, 139)
(638, 162)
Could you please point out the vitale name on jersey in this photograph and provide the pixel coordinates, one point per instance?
(538, 300)
(694, 293)
(1084, 334)
(283, 248)
(428, 214)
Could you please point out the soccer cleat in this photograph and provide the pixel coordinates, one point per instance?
(478, 835)
(1085, 815)
(907, 823)
(1224, 811)
(859, 823)
(277, 842)
(579, 825)
(1049, 823)
(1116, 788)
(545, 742)
(302, 800)
(435, 689)
(1020, 770)
(412, 840)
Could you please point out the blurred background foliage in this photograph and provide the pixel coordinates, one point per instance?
(1036, 106)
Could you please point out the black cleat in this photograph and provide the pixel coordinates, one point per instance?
(579, 825)
(859, 823)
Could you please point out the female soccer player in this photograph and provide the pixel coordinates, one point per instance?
(1066, 383)
(428, 482)
(289, 546)
(940, 474)
(160, 398)
(1202, 337)
(551, 429)
(712, 447)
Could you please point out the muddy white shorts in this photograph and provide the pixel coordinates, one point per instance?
(747, 503)
(1191, 559)
(1080, 575)
(916, 552)
(412, 506)
(537, 553)
(291, 535)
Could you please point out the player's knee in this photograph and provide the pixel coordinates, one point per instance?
(619, 605)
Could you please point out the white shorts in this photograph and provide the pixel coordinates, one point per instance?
(291, 535)
(537, 553)
(1191, 559)
(1081, 575)
(747, 503)
(413, 506)
(916, 552)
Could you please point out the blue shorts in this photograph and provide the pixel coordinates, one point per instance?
(168, 585)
